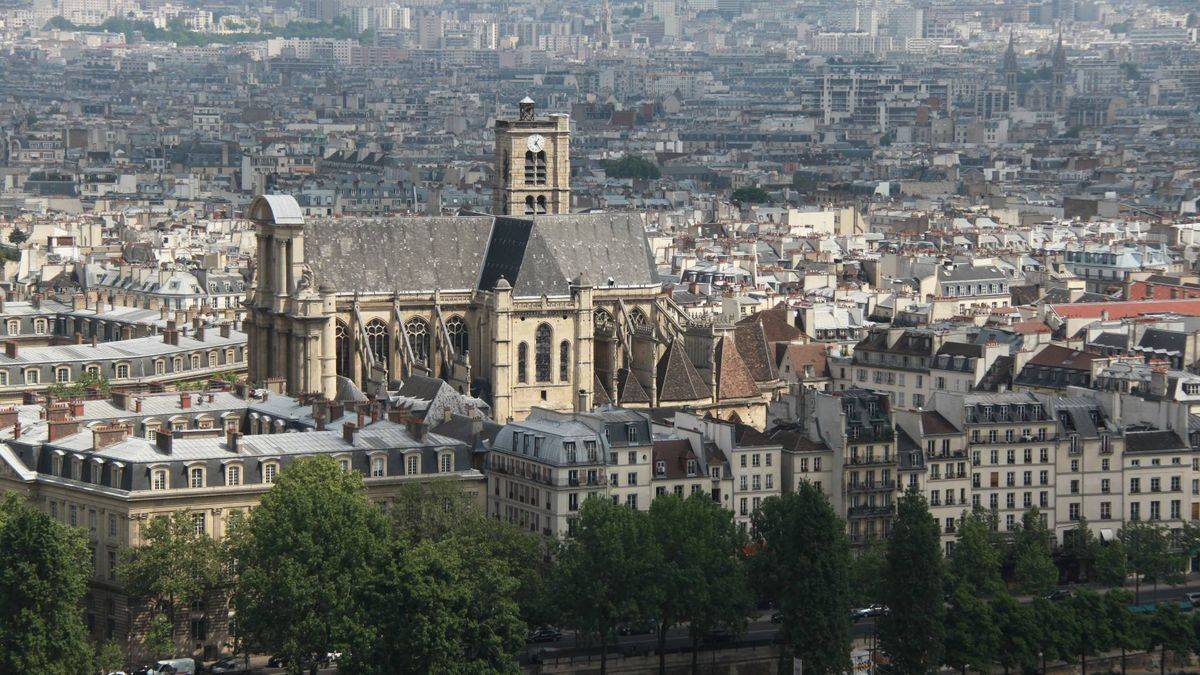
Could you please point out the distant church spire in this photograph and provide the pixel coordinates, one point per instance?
(1010, 64)
(1058, 70)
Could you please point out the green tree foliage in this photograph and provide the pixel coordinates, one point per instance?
(304, 556)
(802, 562)
(43, 578)
(18, 236)
(158, 642)
(701, 580)
(972, 632)
(1092, 630)
(109, 657)
(1054, 626)
(1079, 552)
(1111, 567)
(751, 195)
(1034, 571)
(867, 575)
(603, 570)
(80, 387)
(1017, 648)
(444, 606)
(1170, 631)
(976, 561)
(1150, 554)
(173, 567)
(631, 166)
(1127, 632)
(912, 633)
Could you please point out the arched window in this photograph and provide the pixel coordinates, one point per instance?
(377, 339)
(564, 361)
(539, 168)
(92, 371)
(418, 336)
(529, 207)
(530, 168)
(341, 347)
(637, 317)
(541, 204)
(602, 321)
(522, 362)
(457, 328)
(541, 356)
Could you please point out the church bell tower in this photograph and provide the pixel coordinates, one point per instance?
(533, 164)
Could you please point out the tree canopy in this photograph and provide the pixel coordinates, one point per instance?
(912, 633)
(631, 166)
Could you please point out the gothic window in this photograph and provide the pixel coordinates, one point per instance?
(602, 321)
(530, 168)
(522, 362)
(507, 168)
(529, 206)
(539, 168)
(457, 328)
(418, 336)
(341, 348)
(564, 361)
(637, 317)
(542, 353)
(377, 339)
(541, 204)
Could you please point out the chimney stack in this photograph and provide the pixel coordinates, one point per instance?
(108, 434)
(163, 441)
(10, 349)
(171, 334)
(8, 416)
(185, 401)
(59, 429)
(233, 440)
(225, 329)
(77, 407)
(58, 412)
(348, 431)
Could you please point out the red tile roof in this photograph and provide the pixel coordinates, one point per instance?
(1030, 326)
(1120, 310)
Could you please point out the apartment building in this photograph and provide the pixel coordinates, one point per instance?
(946, 480)
(1088, 466)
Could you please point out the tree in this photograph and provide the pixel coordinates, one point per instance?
(1111, 568)
(631, 166)
(158, 642)
(912, 632)
(1079, 552)
(443, 606)
(1127, 631)
(1033, 569)
(303, 556)
(801, 561)
(1092, 632)
(1017, 647)
(109, 657)
(1169, 630)
(972, 634)
(1149, 554)
(603, 570)
(1054, 628)
(751, 195)
(174, 567)
(866, 575)
(701, 579)
(18, 236)
(43, 579)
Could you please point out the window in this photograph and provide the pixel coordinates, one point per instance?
(1105, 510)
(1105, 485)
(14, 327)
(159, 480)
(377, 340)
(378, 466)
(270, 469)
(62, 374)
(122, 371)
(522, 362)
(39, 326)
(112, 525)
(414, 465)
(198, 524)
(31, 376)
(541, 358)
(342, 358)
(564, 361)
(1135, 511)
(456, 327)
(417, 332)
(196, 475)
(233, 475)
(447, 463)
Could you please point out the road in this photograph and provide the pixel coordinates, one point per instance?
(761, 628)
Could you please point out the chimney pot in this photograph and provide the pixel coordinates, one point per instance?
(348, 431)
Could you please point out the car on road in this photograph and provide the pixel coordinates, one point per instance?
(544, 634)
(868, 612)
(1193, 598)
(718, 635)
(229, 664)
(1058, 595)
(636, 628)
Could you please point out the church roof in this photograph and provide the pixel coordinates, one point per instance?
(631, 390)
(678, 379)
(734, 379)
(537, 255)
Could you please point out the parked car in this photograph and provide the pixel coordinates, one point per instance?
(545, 634)
(636, 628)
(1058, 595)
(277, 661)
(1193, 598)
(174, 667)
(230, 664)
(867, 612)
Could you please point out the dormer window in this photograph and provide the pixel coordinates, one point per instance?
(693, 467)
(158, 479)
(631, 431)
(569, 452)
(196, 477)
(660, 467)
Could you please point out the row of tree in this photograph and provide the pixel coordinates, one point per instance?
(433, 585)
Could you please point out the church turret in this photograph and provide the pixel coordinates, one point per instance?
(1058, 69)
(1010, 65)
(533, 164)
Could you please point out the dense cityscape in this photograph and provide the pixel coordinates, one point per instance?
(676, 336)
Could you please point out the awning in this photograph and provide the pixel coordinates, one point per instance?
(1106, 534)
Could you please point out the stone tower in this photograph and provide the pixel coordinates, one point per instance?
(1058, 69)
(1010, 69)
(533, 164)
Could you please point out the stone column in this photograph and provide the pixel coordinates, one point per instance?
(583, 349)
(502, 306)
(328, 368)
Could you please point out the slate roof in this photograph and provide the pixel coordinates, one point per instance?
(678, 379)
(674, 452)
(933, 423)
(1167, 341)
(774, 324)
(1110, 340)
(1153, 441)
(1057, 356)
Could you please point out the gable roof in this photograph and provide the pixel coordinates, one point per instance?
(734, 379)
(678, 379)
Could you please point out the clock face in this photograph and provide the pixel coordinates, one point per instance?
(535, 143)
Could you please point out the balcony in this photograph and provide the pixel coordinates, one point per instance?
(871, 511)
(875, 460)
(573, 482)
(871, 486)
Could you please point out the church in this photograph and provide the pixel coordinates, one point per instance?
(531, 306)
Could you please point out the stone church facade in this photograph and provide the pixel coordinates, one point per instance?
(546, 309)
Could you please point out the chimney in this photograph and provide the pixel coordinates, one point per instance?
(78, 302)
(163, 441)
(233, 440)
(78, 338)
(8, 416)
(93, 340)
(137, 405)
(120, 399)
(171, 334)
(225, 329)
(77, 407)
(320, 412)
(59, 429)
(417, 430)
(374, 413)
(108, 434)
(185, 401)
(10, 349)
(200, 332)
(336, 410)
(58, 412)
(164, 313)
(16, 431)
(360, 416)
(348, 431)
(197, 322)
